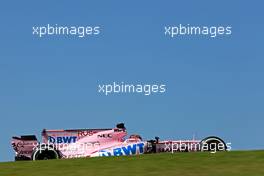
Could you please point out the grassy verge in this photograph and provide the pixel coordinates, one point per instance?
(235, 163)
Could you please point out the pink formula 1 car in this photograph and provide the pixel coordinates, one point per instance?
(103, 142)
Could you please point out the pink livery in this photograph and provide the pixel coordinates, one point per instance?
(77, 143)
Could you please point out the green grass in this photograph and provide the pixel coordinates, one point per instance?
(235, 163)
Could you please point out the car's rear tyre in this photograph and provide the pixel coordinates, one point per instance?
(45, 153)
(213, 144)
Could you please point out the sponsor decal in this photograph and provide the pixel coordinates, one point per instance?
(125, 150)
(85, 133)
(62, 139)
(104, 135)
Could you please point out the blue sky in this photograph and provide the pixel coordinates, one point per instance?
(214, 86)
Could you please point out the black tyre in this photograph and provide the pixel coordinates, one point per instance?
(213, 144)
(45, 153)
